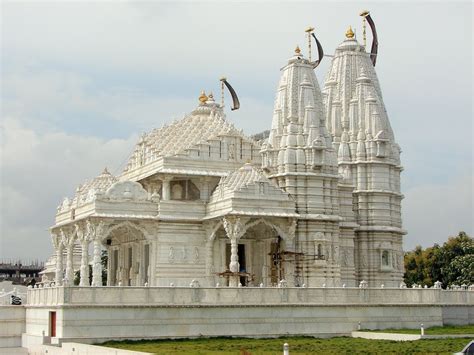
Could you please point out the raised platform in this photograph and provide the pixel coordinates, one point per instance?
(95, 314)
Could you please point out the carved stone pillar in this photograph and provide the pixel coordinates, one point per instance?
(234, 257)
(84, 263)
(210, 261)
(109, 266)
(97, 264)
(166, 189)
(204, 190)
(234, 228)
(58, 278)
(67, 239)
(69, 265)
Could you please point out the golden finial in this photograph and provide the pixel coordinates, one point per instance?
(297, 50)
(349, 32)
(203, 98)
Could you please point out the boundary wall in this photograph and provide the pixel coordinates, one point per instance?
(95, 314)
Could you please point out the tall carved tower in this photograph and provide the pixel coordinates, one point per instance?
(300, 158)
(368, 156)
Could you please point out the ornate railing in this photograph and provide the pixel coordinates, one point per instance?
(251, 296)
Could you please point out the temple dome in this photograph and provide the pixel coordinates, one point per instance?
(243, 177)
(247, 191)
(205, 123)
(86, 192)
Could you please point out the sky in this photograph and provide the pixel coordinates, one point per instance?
(80, 81)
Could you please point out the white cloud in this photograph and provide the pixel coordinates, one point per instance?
(434, 212)
(37, 171)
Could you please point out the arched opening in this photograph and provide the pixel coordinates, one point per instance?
(262, 252)
(129, 256)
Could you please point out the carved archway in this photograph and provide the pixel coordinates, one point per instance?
(286, 232)
(127, 224)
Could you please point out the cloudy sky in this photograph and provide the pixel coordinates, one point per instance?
(81, 80)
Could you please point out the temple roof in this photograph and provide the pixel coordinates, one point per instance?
(243, 177)
(248, 191)
(86, 192)
(100, 183)
(355, 110)
(298, 100)
(352, 79)
(191, 133)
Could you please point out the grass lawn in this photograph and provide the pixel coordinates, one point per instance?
(448, 329)
(298, 345)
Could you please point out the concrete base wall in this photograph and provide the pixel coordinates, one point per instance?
(95, 324)
(458, 315)
(12, 325)
(95, 314)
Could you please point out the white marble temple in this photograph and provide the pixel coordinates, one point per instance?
(317, 203)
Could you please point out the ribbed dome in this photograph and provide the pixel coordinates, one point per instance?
(205, 123)
(242, 177)
(99, 184)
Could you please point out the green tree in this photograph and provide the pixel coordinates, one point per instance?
(453, 263)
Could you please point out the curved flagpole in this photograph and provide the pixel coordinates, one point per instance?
(235, 99)
(320, 52)
(375, 41)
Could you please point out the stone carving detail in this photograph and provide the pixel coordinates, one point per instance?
(400, 262)
(126, 190)
(363, 259)
(171, 255)
(65, 205)
(231, 152)
(196, 255)
(344, 257)
(234, 227)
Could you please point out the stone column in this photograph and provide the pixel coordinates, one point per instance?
(210, 261)
(166, 190)
(204, 189)
(97, 264)
(84, 263)
(234, 257)
(59, 264)
(234, 228)
(234, 265)
(110, 263)
(289, 245)
(69, 264)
